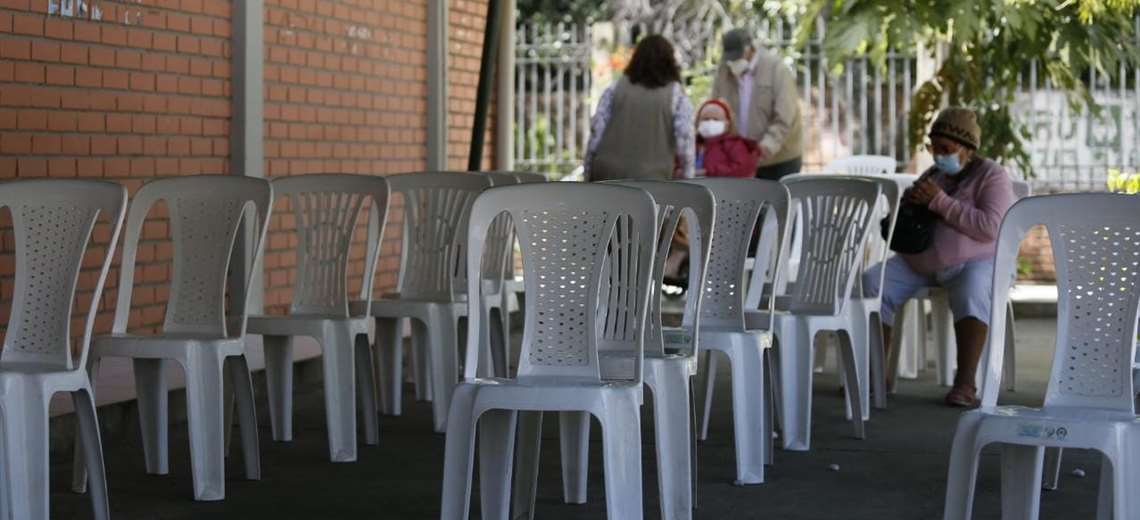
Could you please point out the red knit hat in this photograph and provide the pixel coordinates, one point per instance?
(723, 106)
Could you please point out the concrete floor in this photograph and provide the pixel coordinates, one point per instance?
(897, 472)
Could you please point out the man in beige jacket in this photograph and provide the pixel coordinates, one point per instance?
(761, 89)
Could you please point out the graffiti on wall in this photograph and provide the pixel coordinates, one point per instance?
(1074, 149)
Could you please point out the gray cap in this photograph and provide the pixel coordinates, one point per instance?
(734, 42)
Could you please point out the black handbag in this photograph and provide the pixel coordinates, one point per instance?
(914, 229)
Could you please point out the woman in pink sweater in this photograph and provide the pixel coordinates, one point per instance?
(970, 195)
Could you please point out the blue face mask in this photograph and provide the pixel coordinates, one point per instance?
(948, 163)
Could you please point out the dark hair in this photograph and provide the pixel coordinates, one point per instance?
(654, 64)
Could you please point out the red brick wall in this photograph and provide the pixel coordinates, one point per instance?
(127, 93)
(143, 90)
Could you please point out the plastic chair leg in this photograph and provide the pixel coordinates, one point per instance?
(574, 438)
(78, 460)
(421, 361)
(459, 456)
(527, 451)
(279, 385)
(338, 358)
(150, 382)
(390, 358)
(1009, 365)
(771, 402)
(709, 377)
(92, 452)
(25, 423)
(238, 369)
(1021, 468)
(796, 340)
(855, 377)
(669, 383)
(748, 413)
(879, 365)
(204, 403)
(496, 457)
(963, 473)
(621, 455)
(443, 357)
(498, 332)
(1052, 467)
(366, 389)
(944, 338)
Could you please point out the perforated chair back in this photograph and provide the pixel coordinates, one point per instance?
(836, 217)
(500, 239)
(863, 165)
(1095, 239)
(739, 203)
(698, 207)
(206, 212)
(570, 234)
(436, 207)
(326, 210)
(52, 222)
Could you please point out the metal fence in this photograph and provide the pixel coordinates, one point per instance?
(863, 110)
(553, 79)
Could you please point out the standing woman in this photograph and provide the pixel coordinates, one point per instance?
(643, 125)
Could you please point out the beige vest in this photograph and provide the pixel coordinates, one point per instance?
(638, 142)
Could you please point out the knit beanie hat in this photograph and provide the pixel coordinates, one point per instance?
(958, 124)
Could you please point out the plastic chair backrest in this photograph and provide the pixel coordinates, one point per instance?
(529, 177)
(206, 212)
(52, 222)
(890, 191)
(326, 209)
(863, 165)
(436, 208)
(698, 206)
(568, 232)
(837, 213)
(500, 239)
(1096, 251)
(739, 203)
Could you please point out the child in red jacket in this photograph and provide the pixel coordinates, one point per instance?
(721, 152)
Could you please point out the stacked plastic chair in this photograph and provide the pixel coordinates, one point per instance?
(576, 239)
(736, 324)
(326, 209)
(52, 221)
(1090, 398)
(206, 214)
(837, 215)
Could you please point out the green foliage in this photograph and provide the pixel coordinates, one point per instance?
(986, 46)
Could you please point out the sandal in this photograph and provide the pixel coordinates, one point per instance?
(963, 396)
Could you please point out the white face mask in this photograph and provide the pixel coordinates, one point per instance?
(711, 128)
(738, 67)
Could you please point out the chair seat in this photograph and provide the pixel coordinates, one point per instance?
(547, 393)
(164, 346)
(1055, 414)
(302, 324)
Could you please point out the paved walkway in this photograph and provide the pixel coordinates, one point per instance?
(897, 473)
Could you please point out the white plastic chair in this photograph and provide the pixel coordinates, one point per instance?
(837, 215)
(863, 165)
(1089, 401)
(670, 358)
(325, 210)
(52, 221)
(429, 288)
(500, 243)
(569, 234)
(513, 280)
(206, 214)
(736, 324)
